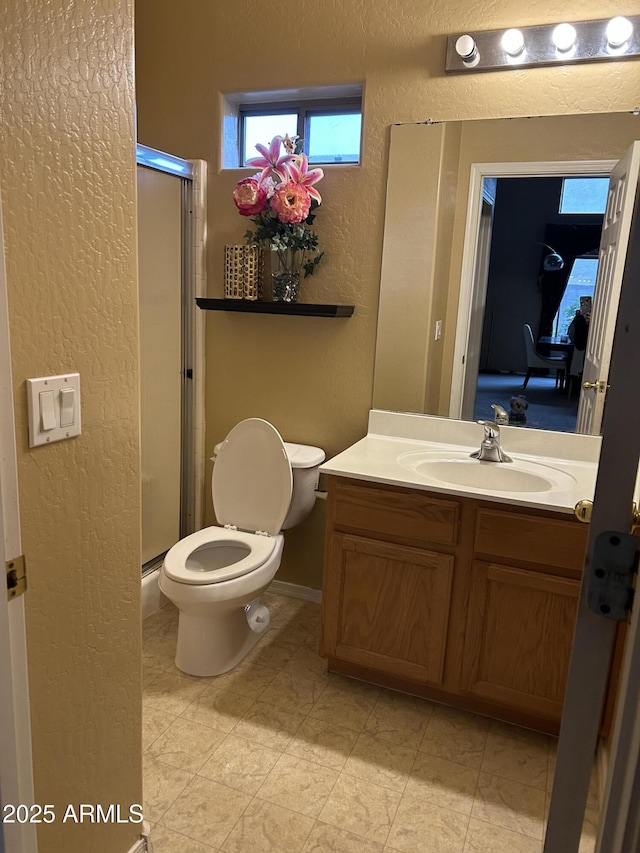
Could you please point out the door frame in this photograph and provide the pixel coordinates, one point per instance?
(16, 763)
(193, 174)
(468, 297)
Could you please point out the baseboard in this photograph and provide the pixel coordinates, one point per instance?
(294, 590)
(152, 598)
(139, 847)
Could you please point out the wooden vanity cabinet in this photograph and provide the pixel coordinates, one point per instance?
(463, 601)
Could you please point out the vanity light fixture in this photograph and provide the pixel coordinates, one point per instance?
(513, 42)
(564, 37)
(467, 50)
(549, 44)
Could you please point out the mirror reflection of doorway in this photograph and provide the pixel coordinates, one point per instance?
(537, 258)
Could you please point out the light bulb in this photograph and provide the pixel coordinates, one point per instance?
(619, 31)
(564, 37)
(466, 48)
(513, 42)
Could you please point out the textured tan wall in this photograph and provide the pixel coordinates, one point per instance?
(68, 194)
(313, 377)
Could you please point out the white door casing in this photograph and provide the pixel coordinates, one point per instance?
(612, 255)
(16, 773)
(595, 635)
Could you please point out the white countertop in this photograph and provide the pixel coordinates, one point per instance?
(396, 436)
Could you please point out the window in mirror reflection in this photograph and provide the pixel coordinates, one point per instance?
(581, 283)
(584, 195)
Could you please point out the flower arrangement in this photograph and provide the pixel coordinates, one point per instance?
(282, 200)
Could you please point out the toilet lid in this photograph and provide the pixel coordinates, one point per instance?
(252, 479)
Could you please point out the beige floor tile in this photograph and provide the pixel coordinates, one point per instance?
(206, 811)
(443, 783)
(268, 725)
(240, 764)
(273, 600)
(399, 719)
(268, 828)
(292, 692)
(161, 786)
(486, 838)
(361, 808)
(288, 630)
(154, 723)
(298, 785)
(521, 760)
(456, 735)
(186, 745)
(159, 649)
(381, 762)
(271, 652)
(420, 826)
(324, 743)
(247, 679)
(329, 839)
(173, 692)
(150, 674)
(167, 615)
(312, 640)
(510, 805)
(308, 664)
(346, 702)
(219, 709)
(167, 841)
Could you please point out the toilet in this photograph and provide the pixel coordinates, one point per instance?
(261, 485)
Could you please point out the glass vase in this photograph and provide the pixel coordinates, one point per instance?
(285, 286)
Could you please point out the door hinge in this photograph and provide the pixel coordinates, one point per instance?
(16, 577)
(614, 565)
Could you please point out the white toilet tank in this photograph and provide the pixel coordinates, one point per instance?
(305, 461)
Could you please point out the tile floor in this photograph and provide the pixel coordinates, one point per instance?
(278, 755)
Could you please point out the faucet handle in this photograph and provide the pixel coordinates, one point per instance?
(491, 429)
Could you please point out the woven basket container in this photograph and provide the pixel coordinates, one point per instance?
(242, 272)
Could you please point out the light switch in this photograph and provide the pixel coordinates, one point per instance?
(67, 406)
(47, 411)
(54, 408)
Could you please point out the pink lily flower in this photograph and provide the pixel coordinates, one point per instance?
(271, 162)
(301, 174)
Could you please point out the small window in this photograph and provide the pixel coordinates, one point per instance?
(328, 120)
(581, 282)
(584, 195)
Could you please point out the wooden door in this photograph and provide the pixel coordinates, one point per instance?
(519, 635)
(612, 257)
(387, 607)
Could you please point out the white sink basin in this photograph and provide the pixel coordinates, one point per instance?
(459, 469)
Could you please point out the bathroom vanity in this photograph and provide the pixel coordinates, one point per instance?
(465, 594)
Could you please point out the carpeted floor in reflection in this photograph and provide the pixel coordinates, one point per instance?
(549, 407)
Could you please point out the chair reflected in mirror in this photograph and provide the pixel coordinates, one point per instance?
(535, 361)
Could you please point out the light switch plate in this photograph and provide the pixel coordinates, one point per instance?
(56, 384)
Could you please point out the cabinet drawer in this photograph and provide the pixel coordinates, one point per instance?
(531, 539)
(399, 516)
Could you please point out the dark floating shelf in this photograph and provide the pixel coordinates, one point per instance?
(249, 306)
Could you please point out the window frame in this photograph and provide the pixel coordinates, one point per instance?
(305, 109)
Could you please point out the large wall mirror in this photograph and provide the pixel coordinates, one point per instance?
(494, 227)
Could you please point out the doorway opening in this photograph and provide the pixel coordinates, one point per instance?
(537, 264)
(490, 335)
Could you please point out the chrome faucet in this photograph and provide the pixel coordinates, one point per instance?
(501, 416)
(490, 450)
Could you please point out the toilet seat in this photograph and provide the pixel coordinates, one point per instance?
(187, 561)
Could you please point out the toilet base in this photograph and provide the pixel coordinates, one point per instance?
(209, 646)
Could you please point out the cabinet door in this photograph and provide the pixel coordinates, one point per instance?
(519, 636)
(387, 606)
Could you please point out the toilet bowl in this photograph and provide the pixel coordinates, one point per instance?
(260, 486)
